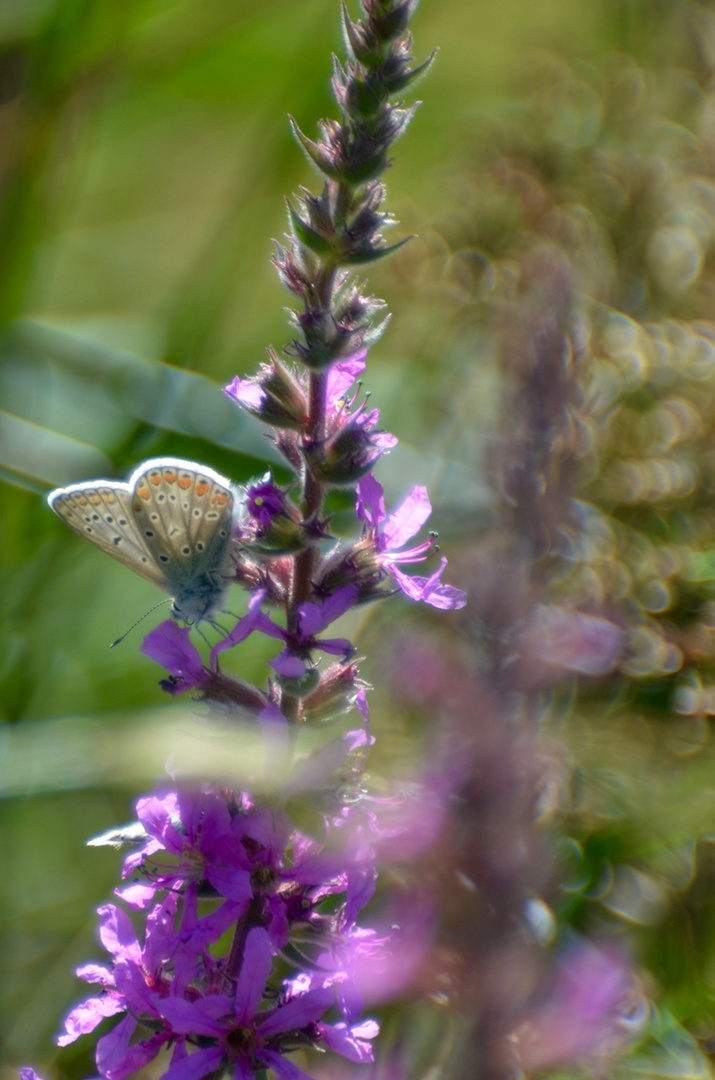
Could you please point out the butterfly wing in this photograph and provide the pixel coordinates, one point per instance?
(101, 511)
(183, 513)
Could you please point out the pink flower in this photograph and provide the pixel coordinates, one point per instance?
(588, 1010)
(390, 532)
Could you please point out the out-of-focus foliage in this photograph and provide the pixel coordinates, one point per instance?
(145, 154)
(578, 260)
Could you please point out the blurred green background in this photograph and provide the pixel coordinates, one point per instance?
(144, 158)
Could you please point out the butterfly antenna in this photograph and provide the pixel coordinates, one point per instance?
(201, 634)
(126, 632)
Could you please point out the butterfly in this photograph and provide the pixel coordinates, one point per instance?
(171, 523)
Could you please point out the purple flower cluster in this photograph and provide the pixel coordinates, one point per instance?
(283, 894)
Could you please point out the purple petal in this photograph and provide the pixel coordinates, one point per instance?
(254, 619)
(406, 520)
(361, 888)
(284, 1069)
(429, 590)
(362, 704)
(311, 621)
(133, 987)
(95, 973)
(278, 926)
(291, 667)
(205, 817)
(273, 718)
(242, 1070)
(27, 1073)
(170, 646)
(573, 640)
(271, 828)
(137, 1056)
(367, 419)
(211, 927)
(155, 814)
(370, 506)
(196, 1017)
(336, 646)
(315, 617)
(359, 737)
(383, 441)
(117, 933)
(319, 868)
(85, 1017)
(160, 935)
(137, 895)
(351, 1042)
(342, 376)
(231, 882)
(242, 630)
(297, 1013)
(199, 1064)
(245, 392)
(255, 969)
(112, 1048)
(581, 1013)
(337, 604)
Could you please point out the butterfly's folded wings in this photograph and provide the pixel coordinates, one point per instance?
(171, 523)
(184, 514)
(101, 511)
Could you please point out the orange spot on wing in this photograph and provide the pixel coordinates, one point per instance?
(220, 498)
(170, 476)
(202, 487)
(137, 506)
(143, 492)
(109, 497)
(81, 499)
(94, 499)
(155, 478)
(185, 482)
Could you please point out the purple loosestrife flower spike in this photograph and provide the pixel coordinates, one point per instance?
(211, 861)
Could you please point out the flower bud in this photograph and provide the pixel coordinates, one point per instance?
(274, 396)
(335, 694)
(288, 445)
(270, 524)
(351, 451)
(359, 564)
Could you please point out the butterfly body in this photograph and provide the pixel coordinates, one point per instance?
(171, 523)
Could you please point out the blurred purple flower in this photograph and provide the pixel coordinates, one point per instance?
(571, 639)
(588, 1010)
